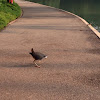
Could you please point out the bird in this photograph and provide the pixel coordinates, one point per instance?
(37, 56)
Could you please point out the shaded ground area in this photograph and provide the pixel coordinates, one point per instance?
(72, 70)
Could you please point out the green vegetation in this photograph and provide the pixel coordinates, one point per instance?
(8, 12)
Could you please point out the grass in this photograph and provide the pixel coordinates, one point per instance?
(8, 12)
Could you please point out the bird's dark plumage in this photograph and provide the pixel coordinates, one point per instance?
(37, 56)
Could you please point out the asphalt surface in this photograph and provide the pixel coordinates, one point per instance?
(72, 69)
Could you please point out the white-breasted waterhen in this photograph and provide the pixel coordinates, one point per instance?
(37, 56)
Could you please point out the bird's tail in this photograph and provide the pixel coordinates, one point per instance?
(46, 56)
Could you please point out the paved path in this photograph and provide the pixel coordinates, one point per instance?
(72, 70)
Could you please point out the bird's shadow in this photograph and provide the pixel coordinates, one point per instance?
(18, 65)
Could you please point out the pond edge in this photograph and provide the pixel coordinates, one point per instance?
(83, 20)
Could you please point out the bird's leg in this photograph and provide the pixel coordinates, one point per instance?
(36, 64)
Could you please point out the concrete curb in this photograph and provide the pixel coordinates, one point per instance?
(22, 12)
(83, 20)
(89, 25)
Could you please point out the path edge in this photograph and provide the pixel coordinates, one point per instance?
(22, 12)
(96, 32)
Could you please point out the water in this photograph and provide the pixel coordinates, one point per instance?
(87, 9)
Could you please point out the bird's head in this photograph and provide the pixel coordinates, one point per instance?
(32, 51)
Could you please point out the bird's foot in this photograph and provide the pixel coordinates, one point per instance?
(37, 66)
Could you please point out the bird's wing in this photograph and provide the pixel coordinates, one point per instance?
(40, 54)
